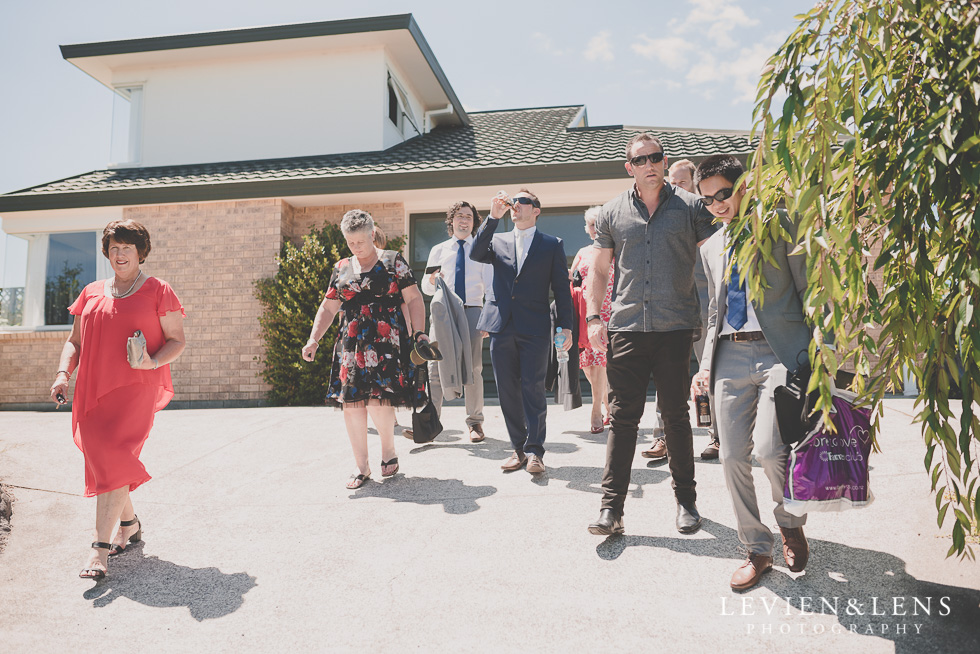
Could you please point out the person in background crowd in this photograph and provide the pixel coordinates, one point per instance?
(591, 360)
(469, 280)
(115, 402)
(371, 372)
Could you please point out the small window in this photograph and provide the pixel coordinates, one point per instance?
(127, 110)
(394, 113)
(70, 267)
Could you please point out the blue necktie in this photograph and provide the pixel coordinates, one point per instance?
(738, 314)
(461, 271)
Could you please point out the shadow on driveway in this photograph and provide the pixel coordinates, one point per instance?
(868, 592)
(207, 593)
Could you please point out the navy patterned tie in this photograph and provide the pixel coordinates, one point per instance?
(738, 314)
(461, 271)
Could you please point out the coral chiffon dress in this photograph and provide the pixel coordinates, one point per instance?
(114, 405)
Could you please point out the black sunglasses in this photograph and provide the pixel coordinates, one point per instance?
(721, 196)
(642, 159)
(525, 200)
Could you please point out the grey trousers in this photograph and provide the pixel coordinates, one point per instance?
(746, 374)
(473, 392)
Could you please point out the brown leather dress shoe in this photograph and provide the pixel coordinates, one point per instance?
(658, 451)
(711, 452)
(515, 462)
(535, 465)
(476, 433)
(751, 571)
(796, 550)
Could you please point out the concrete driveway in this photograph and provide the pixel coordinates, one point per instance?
(252, 543)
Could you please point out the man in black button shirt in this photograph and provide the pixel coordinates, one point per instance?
(653, 230)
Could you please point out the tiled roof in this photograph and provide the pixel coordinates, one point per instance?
(523, 139)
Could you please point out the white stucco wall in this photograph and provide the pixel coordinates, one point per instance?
(262, 108)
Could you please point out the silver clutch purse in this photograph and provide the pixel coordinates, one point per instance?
(135, 346)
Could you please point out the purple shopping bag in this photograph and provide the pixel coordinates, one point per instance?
(829, 472)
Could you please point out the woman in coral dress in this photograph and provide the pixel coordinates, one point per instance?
(114, 404)
(371, 372)
(590, 360)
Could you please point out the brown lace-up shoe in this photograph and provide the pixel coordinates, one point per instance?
(751, 571)
(658, 451)
(515, 462)
(476, 433)
(796, 550)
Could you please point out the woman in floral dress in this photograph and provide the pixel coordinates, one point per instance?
(371, 372)
(592, 361)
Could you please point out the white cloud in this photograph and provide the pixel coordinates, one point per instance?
(599, 47)
(741, 71)
(673, 52)
(546, 44)
(715, 20)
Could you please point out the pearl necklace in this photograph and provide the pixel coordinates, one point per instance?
(135, 282)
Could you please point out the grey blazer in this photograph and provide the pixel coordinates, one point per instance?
(781, 314)
(447, 318)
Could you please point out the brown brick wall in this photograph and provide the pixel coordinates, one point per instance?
(28, 363)
(389, 216)
(212, 254)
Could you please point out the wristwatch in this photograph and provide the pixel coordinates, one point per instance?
(594, 316)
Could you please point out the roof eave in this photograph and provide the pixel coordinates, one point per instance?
(499, 175)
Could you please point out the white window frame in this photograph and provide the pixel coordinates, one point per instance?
(134, 93)
(34, 284)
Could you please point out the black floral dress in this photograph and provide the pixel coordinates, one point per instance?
(371, 354)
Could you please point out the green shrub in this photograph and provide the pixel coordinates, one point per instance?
(290, 301)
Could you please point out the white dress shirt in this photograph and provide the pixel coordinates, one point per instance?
(527, 235)
(479, 276)
(752, 323)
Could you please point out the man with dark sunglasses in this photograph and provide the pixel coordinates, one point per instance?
(749, 346)
(653, 231)
(527, 264)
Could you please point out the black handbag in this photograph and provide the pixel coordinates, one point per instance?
(794, 405)
(425, 421)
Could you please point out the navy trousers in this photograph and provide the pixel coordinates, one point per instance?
(520, 364)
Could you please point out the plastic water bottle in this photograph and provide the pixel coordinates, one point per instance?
(560, 338)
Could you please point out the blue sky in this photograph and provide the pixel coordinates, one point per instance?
(665, 64)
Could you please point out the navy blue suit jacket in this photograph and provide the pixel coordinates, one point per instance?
(523, 298)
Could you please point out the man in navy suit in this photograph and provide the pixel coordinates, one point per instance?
(526, 264)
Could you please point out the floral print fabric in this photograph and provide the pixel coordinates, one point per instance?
(370, 358)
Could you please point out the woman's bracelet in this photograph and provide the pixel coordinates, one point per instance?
(67, 374)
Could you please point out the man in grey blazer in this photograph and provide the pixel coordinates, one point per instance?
(749, 347)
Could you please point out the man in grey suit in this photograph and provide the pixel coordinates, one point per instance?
(749, 346)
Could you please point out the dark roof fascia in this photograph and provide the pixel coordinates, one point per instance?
(368, 183)
(274, 33)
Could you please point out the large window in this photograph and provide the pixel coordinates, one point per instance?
(566, 223)
(70, 266)
(43, 273)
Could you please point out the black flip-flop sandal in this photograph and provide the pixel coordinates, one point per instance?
(356, 481)
(393, 462)
(135, 538)
(96, 573)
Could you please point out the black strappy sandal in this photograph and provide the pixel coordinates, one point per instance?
(96, 573)
(135, 538)
(393, 462)
(356, 481)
